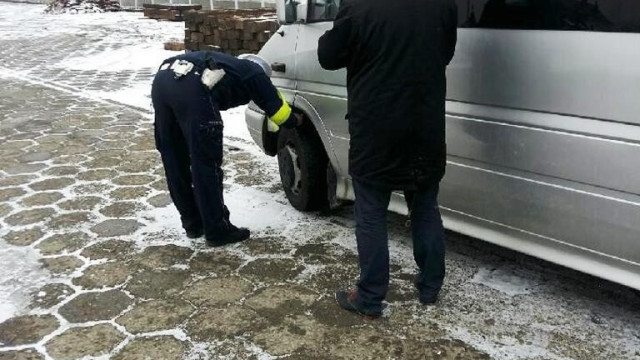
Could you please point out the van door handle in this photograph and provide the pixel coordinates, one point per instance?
(278, 67)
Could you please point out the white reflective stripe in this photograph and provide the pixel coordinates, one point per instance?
(181, 67)
(211, 77)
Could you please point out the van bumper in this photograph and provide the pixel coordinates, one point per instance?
(255, 120)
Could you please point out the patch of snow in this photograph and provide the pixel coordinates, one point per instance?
(147, 55)
(508, 280)
(21, 275)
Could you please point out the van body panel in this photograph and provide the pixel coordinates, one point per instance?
(587, 74)
(543, 140)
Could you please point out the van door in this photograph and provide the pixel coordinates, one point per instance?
(280, 52)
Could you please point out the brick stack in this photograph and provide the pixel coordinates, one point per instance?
(168, 12)
(232, 31)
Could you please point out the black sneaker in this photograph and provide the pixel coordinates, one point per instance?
(232, 235)
(428, 300)
(194, 234)
(347, 299)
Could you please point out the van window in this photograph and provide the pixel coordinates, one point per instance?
(577, 15)
(322, 10)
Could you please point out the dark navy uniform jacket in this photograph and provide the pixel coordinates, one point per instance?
(244, 81)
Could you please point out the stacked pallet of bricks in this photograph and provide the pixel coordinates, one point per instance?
(232, 31)
(168, 12)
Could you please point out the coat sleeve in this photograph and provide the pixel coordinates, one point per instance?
(452, 33)
(269, 99)
(334, 47)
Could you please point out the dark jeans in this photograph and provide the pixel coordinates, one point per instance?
(373, 250)
(188, 134)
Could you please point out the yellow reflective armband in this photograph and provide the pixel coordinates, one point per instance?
(282, 115)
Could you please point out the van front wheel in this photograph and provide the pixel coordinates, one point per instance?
(303, 165)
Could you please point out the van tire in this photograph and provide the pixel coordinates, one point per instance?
(302, 162)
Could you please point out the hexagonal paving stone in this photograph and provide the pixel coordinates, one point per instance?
(16, 180)
(142, 143)
(160, 347)
(134, 180)
(96, 188)
(218, 291)
(110, 249)
(129, 193)
(61, 265)
(211, 324)
(95, 306)
(60, 243)
(278, 301)
(10, 193)
(111, 228)
(52, 184)
(26, 329)
(79, 342)
(157, 284)
(156, 257)
(32, 216)
(70, 220)
(267, 245)
(121, 209)
(295, 333)
(219, 262)
(97, 175)
(61, 171)
(160, 200)
(155, 315)
(50, 295)
(29, 354)
(74, 149)
(160, 185)
(24, 168)
(104, 275)
(140, 162)
(5, 209)
(272, 269)
(69, 159)
(81, 203)
(16, 145)
(35, 157)
(40, 199)
(24, 237)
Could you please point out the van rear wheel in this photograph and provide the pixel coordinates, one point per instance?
(303, 168)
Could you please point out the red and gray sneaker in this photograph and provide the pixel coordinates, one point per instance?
(348, 300)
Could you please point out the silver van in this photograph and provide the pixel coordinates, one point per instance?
(543, 127)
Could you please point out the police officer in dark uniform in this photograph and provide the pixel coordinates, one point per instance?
(188, 93)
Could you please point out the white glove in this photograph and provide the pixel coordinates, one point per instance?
(271, 126)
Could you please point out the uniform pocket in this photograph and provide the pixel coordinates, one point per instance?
(210, 136)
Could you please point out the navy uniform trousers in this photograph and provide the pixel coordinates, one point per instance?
(188, 134)
(373, 243)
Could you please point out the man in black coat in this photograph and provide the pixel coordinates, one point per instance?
(396, 53)
(188, 93)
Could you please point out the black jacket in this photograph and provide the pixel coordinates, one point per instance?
(396, 53)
